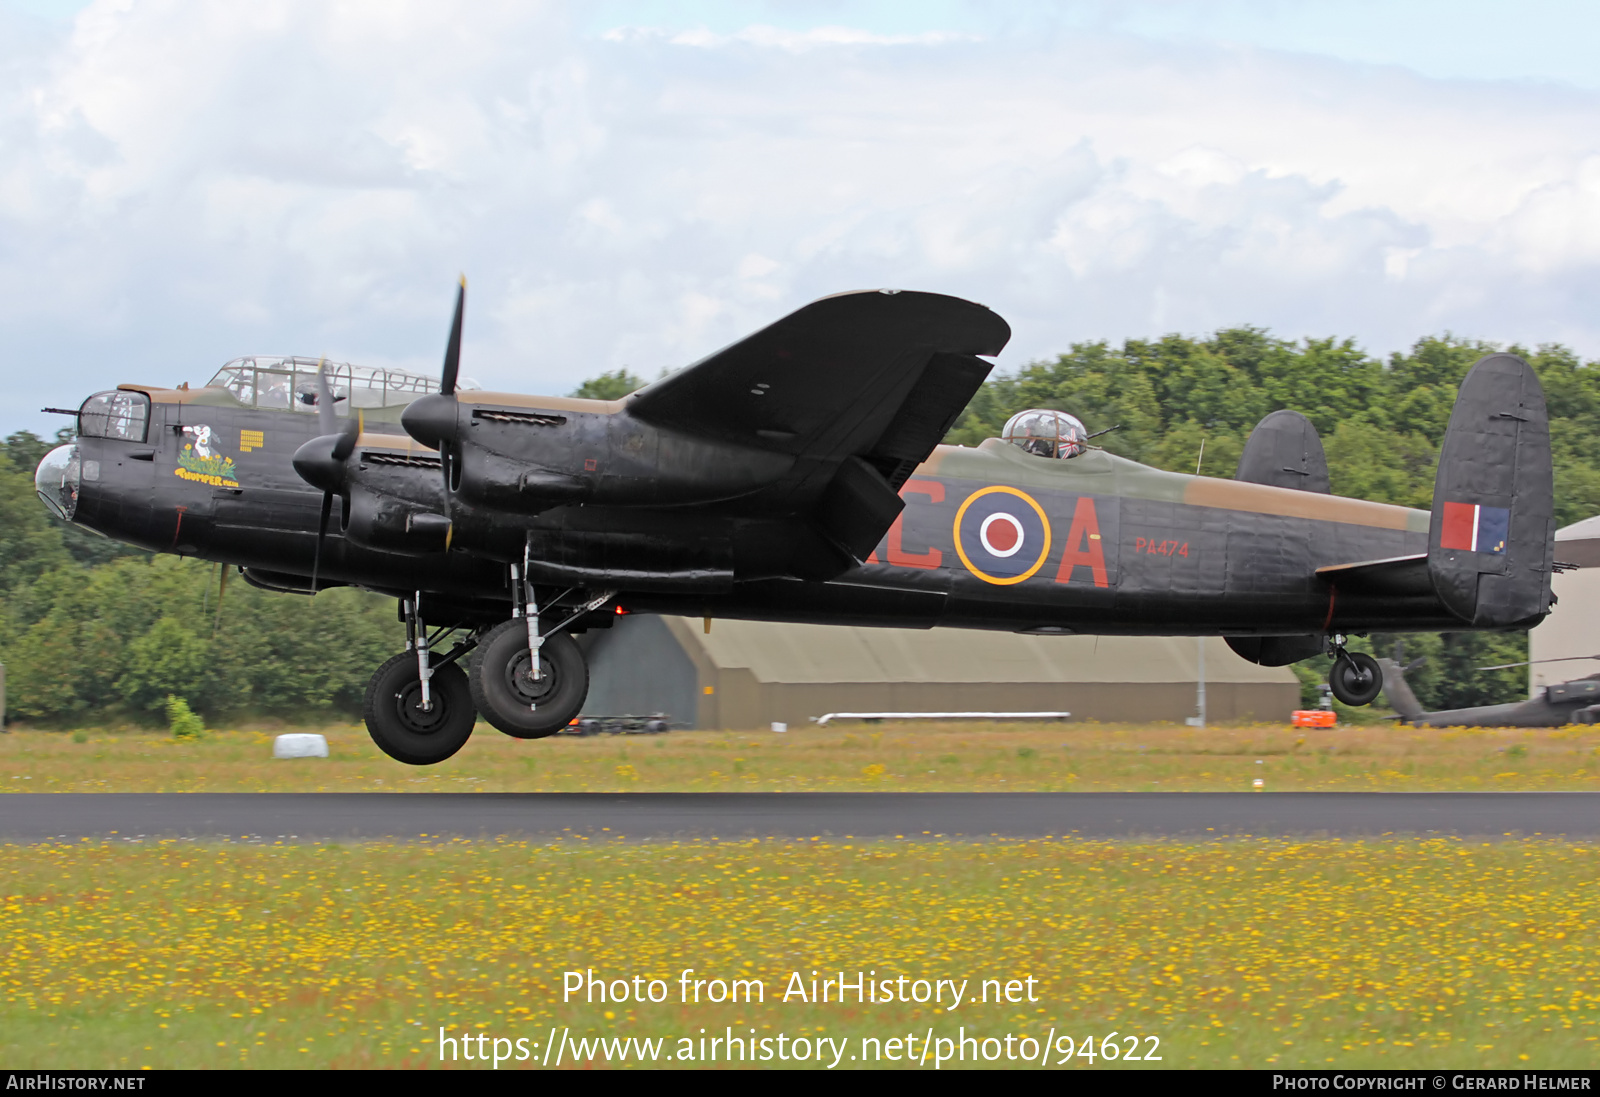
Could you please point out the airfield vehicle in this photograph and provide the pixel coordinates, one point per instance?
(796, 475)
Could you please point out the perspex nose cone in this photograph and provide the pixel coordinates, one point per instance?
(58, 480)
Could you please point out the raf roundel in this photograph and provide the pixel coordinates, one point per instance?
(1002, 535)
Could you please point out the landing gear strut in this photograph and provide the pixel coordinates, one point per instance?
(419, 709)
(508, 694)
(529, 680)
(1356, 678)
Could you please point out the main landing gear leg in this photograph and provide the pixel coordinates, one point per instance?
(417, 639)
(530, 614)
(1355, 678)
(418, 710)
(527, 680)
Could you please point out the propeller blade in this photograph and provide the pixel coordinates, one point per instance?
(327, 421)
(322, 533)
(452, 350)
(347, 440)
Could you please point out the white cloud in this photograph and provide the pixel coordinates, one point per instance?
(784, 38)
(181, 184)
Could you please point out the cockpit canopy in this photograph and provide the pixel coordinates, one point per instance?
(291, 383)
(1046, 433)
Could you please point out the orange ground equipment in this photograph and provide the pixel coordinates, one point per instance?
(1314, 718)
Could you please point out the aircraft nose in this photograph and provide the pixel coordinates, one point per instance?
(59, 479)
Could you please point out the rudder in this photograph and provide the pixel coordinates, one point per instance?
(1491, 537)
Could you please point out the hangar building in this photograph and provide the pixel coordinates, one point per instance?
(748, 674)
(1572, 631)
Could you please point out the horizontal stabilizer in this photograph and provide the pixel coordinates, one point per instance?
(1285, 452)
(1395, 576)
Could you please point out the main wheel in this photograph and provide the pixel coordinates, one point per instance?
(402, 728)
(1356, 678)
(515, 702)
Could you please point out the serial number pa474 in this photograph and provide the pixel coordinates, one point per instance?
(1152, 547)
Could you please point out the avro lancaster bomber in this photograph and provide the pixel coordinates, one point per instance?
(796, 475)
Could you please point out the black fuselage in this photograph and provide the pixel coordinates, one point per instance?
(991, 537)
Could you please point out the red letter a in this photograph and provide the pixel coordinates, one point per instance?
(1083, 545)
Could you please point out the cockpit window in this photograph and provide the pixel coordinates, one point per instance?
(241, 381)
(1046, 433)
(273, 388)
(122, 415)
(291, 383)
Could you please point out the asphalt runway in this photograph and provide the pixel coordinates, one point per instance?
(429, 816)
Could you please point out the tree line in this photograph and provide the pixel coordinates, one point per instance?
(1381, 422)
(94, 630)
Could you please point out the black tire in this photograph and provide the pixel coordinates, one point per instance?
(509, 699)
(1356, 678)
(397, 722)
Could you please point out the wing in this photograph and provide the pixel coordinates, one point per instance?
(878, 375)
(856, 388)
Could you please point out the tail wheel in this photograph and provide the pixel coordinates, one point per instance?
(406, 731)
(1356, 678)
(515, 702)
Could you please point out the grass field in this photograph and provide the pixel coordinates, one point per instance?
(904, 757)
(1257, 953)
(1246, 953)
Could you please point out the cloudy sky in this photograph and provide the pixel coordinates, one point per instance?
(636, 183)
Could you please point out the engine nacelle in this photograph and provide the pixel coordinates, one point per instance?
(387, 522)
(505, 454)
